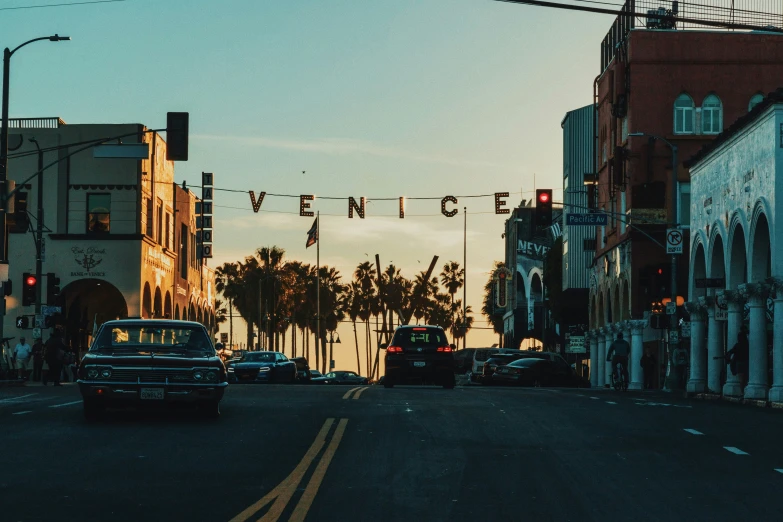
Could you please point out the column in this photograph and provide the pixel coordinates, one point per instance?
(715, 361)
(599, 368)
(592, 335)
(758, 377)
(610, 330)
(776, 392)
(637, 350)
(696, 380)
(735, 303)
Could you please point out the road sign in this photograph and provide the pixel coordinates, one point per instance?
(587, 220)
(36, 333)
(710, 282)
(674, 336)
(51, 310)
(671, 308)
(224, 337)
(674, 241)
(685, 329)
(576, 345)
(39, 321)
(721, 312)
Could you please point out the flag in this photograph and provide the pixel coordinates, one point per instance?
(312, 234)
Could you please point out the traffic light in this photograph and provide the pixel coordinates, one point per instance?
(177, 136)
(22, 322)
(52, 289)
(7, 288)
(543, 207)
(19, 221)
(29, 284)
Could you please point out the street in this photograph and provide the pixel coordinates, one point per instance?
(329, 453)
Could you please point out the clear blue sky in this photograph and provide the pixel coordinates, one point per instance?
(380, 98)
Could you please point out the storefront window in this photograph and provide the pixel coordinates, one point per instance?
(98, 213)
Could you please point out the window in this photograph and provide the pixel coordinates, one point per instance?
(683, 114)
(160, 222)
(684, 209)
(148, 213)
(622, 212)
(755, 100)
(169, 230)
(98, 213)
(712, 115)
(183, 251)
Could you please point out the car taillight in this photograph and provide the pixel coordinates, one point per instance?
(444, 349)
(394, 349)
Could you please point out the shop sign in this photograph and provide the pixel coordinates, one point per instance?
(89, 259)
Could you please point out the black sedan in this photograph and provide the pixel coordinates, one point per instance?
(340, 377)
(262, 367)
(539, 372)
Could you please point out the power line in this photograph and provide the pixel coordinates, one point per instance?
(68, 4)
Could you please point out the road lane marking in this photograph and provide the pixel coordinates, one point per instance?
(734, 450)
(357, 394)
(779, 470)
(17, 398)
(21, 412)
(288, 486)
(610, 402)
(300, 512)
(692, 431)
(594, 398)
(65, 404)
(349, 392)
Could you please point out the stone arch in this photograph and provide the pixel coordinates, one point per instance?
(760, 251)
(199, 317)
(176, 312)
(167, 306)
(625, 299)
(86, 303)
(536, 287)
(146, 302)
(599, 322)
(698, 270)
(157, 307)
(191, 312)
(717, 266)
(738, 263)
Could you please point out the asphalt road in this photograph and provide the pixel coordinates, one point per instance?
(408, 454)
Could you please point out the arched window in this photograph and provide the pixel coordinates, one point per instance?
(711, 115)
(683, 114)
(755, 100)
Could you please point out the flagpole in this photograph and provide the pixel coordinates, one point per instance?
(318, 277)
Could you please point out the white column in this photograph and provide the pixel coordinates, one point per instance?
(735, 303)
(715, 360)
(758, 377)
(696, 380)
(599, 368)
(592, 335)
(776, 392)
(637, 350)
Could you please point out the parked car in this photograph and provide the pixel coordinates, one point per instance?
(303, 373)
(419, 354)
(148, 362)
(494, 362)
(257, 367)
(341, 377)
(480, 357)
(463, 360)
(529, 371)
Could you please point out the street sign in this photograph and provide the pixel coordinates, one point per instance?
(674, 336)
(721, 313)
(223, 337)
(710, 282)
(36, 333)
(671, 308)
(39, 321)
(576, 345)
(674, 241)
(587, 220)
(685, 329)
(331, 364)
(51, 310)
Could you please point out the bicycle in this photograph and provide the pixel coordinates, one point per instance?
(618, 378)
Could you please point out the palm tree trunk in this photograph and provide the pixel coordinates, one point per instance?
(356, 339)
(230, 324)
(323, 354)
(367, 345)
(249, 335)
(317, 349)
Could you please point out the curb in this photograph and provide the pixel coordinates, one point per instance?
(739, 400)
(12, 384)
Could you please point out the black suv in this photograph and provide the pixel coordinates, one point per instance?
(419, 353)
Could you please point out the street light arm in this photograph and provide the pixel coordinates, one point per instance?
(655, 137)
(55, 38)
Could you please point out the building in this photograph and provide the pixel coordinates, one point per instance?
(737, 277)
(526, 248)
(659, 88)
(114, 230)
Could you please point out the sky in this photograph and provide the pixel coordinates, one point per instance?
(338, 98)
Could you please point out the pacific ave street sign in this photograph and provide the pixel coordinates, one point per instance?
(587, 220)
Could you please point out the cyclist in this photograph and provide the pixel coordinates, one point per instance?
(621, 350)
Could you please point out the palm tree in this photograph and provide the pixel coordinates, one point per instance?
(221, 314)
(488, 305)
(271, 277)
(453, 278)
(422, 290)
(332, 307)
(363, 275)
(226, 283)
(463, 321)
(354, 307)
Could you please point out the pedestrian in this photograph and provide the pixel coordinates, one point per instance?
(38, 359)
(54, 354)
(21, 357)
(648, 364)
(738, 358)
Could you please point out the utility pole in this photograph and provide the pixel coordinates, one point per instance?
(465, 278)
(39, 237)
(673, 377)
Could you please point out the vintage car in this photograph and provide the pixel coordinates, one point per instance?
(255, 367)
(141, 362)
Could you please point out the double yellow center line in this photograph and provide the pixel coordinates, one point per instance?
(357, 394)
(284, 491)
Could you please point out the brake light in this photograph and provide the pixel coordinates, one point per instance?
(419, 329)
(394, 349)
(444, 349)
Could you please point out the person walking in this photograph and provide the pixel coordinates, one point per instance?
(38, 359)
(648, 364)
(21, 358)
(54, 353)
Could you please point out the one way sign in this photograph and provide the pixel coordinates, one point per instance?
(674, 241)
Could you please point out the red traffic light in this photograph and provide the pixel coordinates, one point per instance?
(30, 281)
(543, 197)
(660, 271)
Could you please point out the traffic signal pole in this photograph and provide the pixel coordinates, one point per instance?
(39, 237)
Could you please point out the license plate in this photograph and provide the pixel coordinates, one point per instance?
(419, 364)
(155, 394)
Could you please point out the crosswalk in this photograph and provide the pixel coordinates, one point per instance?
(32, 403)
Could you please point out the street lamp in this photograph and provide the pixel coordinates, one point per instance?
(670, 379)
(7, 53)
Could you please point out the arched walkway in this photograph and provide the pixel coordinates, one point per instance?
(146, 302)
(167, 306)
(157, 309)
(87, 303)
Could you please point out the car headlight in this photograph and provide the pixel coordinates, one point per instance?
(92, 373)
(106, 373)
(230, 369)
(264, 369)
(197, 375)
(211, 376)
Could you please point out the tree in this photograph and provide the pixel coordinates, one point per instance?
(226, 278)
(488, 308)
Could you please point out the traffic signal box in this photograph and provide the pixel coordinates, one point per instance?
(543, 208)
(52, 289)
(29, 285)
(177, 124)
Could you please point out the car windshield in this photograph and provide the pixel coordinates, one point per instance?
(153, 337)
(259, 357)
(526, 362)
(424, 337)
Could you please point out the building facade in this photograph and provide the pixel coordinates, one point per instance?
(736, 283)
(110, 232)
(659, 89)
